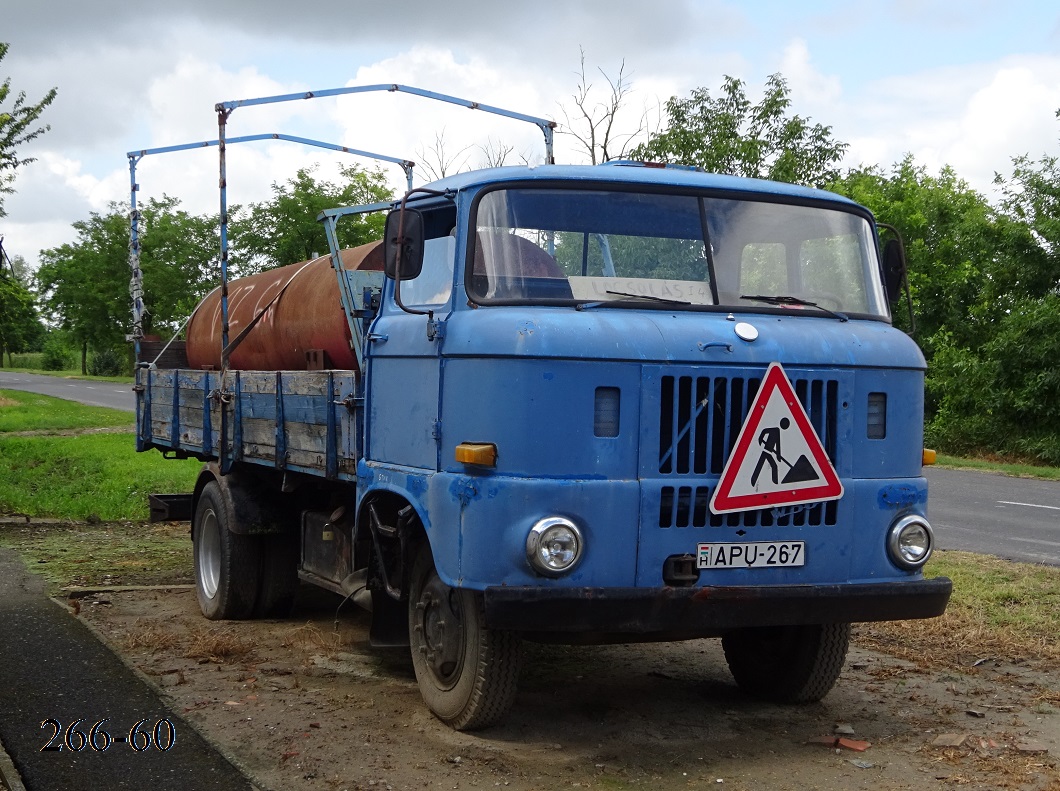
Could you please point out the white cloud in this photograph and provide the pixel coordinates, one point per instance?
(973, 119)
(810, 89)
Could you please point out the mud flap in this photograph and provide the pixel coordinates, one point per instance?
(390, 621)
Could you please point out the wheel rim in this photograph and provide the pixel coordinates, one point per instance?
(209, 554)
(440, 629)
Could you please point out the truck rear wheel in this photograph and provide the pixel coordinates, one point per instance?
(787, 664)
(467, 673)
(279, 575)
(227, 564)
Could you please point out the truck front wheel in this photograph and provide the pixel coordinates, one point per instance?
(467, 673)
(227, 564)
(787, 664)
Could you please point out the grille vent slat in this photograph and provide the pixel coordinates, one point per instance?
(699, 422)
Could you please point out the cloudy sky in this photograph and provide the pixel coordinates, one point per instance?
(969, 83)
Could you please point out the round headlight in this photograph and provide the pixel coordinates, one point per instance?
(910, 542)
(554, 546)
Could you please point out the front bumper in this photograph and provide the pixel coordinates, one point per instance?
(669, 613)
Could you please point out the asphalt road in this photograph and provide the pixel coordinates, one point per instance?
(1013, 518)
(108, 394)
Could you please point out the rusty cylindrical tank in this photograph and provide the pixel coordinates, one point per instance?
(307, 316)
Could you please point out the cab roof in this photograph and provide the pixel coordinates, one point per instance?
(632, 175)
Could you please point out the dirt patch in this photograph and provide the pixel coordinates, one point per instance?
(304, 703)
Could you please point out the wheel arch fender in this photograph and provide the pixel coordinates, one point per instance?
(259, 510)
(404, 524)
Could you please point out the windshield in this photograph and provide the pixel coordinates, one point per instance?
(599, 246)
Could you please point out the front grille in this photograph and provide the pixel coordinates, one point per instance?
(699, 421)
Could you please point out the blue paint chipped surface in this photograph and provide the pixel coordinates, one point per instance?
(464, 490)
(901, 495)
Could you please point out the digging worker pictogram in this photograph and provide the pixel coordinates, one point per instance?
(769, 439)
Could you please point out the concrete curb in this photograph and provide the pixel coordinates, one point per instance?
(8, 774)
(78, 592)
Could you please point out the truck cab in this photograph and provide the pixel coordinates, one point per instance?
(560, 368)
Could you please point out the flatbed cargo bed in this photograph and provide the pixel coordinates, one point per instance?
(299, 421)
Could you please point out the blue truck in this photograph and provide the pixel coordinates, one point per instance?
(590, 404)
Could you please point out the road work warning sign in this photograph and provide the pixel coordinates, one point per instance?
(778, 458)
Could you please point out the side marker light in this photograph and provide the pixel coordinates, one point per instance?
(484, 454)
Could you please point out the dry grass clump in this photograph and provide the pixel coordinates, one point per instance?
(309, 639)
(999, 610)
(150, 637)
(218, 645)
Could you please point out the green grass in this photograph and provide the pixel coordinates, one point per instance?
(93, 477)
(22, 411)
(1006, 468)
(88, 476)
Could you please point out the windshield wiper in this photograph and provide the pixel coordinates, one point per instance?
(650, 297)
(627, 296)
(783, 300)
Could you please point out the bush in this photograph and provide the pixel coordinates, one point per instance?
(31, 360)
(107, 362)
(56, 357)
(1005, 396)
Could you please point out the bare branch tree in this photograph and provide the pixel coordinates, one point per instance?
(437, 162)
(593, 123)
(495, 153)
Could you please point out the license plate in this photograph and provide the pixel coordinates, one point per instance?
(754, 555)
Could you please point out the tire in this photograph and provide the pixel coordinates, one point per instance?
(467, 673)
(227, 564)
(787, 664)
(279, 576)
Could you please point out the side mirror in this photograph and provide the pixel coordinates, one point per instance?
(404, 249)
(893, 269)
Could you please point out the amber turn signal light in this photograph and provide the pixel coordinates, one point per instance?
(483, 454)
(929, 456)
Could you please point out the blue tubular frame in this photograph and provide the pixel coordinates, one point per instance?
(546, 126)
(136, 282)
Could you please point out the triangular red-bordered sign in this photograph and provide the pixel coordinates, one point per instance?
(778, 458)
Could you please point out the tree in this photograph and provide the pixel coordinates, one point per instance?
(18, 316)
(84, 285)
(962, 253)
(437, 163)
(593, 123)
(17, 127)
(1032, 197)
(285, 230)
(985, 296)
(728, 134)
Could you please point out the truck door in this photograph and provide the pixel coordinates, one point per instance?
(403, 372)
